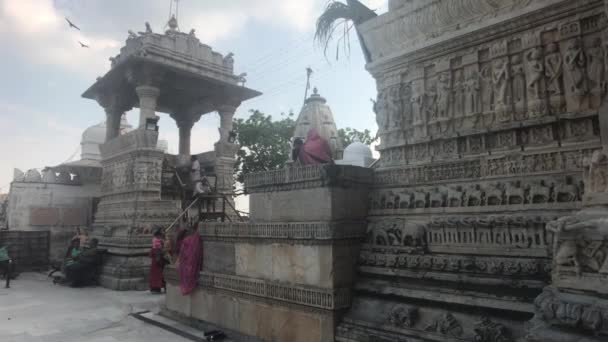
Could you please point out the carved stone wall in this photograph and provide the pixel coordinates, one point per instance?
(130, 207)
(488, 115)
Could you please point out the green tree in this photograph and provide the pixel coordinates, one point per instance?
(347, 136)
(265, 143)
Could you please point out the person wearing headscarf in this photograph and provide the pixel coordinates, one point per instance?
(315, 150)
(157, 264)
(190, 253)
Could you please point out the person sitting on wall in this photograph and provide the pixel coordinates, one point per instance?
(71, 254)
(315, 150)
(295, 151)
(82, 271)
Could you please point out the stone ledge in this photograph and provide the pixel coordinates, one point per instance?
(308, 231)
(305, 177)
(320, 298)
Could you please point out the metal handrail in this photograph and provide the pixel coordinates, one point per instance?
(181, 215)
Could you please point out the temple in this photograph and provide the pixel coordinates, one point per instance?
(484, 218)
(143, 188)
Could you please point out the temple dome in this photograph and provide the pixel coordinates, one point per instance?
(95, 135)
(358, 154)
(357, 150)
(317, 114)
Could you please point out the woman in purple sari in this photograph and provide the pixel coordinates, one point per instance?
(190, 253)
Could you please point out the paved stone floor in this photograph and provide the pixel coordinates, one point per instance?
(34, 309)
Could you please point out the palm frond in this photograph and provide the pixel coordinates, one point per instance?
(339, 14)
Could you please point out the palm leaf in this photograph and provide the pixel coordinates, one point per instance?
(339, 14)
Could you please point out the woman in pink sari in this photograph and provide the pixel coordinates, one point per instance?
(190, 253)
(315, 150)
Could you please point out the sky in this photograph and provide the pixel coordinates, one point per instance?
(44, 70)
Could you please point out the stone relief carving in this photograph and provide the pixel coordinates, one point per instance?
(403, 316)
(381, 110)
(395, 232)
(488, 331)
(562, 190)
(443, 96)
(554, 308)
(596, 72)
(518, 82)
(553, 72)
(500, 78)
(446, 324)
(575, 63)
(534, 85)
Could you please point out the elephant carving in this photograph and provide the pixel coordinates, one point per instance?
(539, 193)
(514, 193)
(494, 194)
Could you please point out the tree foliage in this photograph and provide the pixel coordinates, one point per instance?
(264, 142)
(348, 135)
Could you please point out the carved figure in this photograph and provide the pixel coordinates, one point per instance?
(487, 89)
(455, 197)
(458, 92)
(514, 193)
(488, 331)
(494, 194)
(567, 192)
(567, 255)
(437, 198)
(394, 106)
(148, 27)
(132, 34)
(472, 93)
(405, 97)
(403, 316)
(381, 110)
(595, 68)
(420, 199)
(518, 82)
(539, 193)
(431, 98)
(473, 196)
(443, 94)
(554, 69)
(446, 324)
(405, 200)
(575, 62)
(417, 104)
(500, 77)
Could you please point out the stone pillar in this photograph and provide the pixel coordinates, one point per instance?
(147, 102)
(185, 130)
(113, 117)
(226, 115)
(115, 105)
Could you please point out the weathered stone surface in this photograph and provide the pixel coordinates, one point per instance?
(219, 257)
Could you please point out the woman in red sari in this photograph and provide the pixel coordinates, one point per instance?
(157, 265)
(315, 150)
(190, 253)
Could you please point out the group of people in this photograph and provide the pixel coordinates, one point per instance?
(81, 262)
(315, 150)
(185, 255)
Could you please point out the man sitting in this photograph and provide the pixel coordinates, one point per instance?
(82, 271)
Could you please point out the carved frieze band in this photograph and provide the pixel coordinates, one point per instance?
(486, 265)
(502, 166)
(535, 88)
(579, 312)
(283, 231)
(328, 299)
(309, 176)
(557, 192)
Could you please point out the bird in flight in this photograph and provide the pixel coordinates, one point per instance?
(82, 44)
(72, 24)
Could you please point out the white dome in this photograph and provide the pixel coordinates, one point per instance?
(95, 135)
(357, 150)
(357, 154)
(92, 137)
